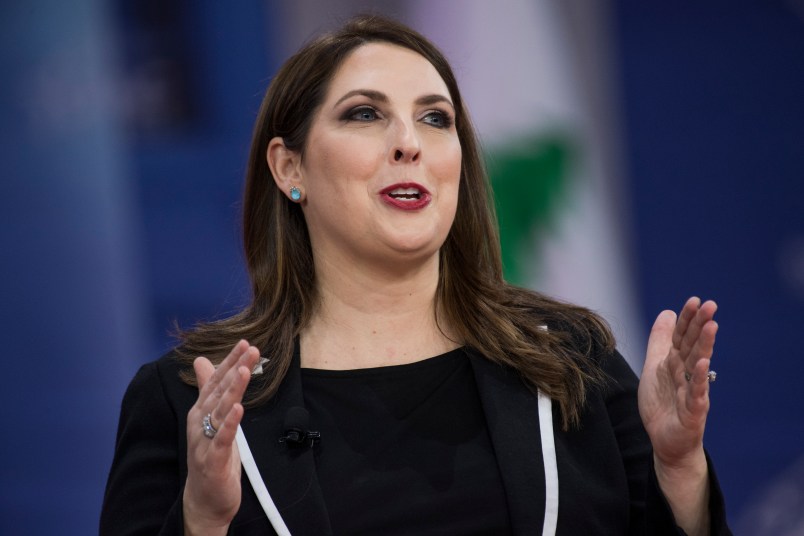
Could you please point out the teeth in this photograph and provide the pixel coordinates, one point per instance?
(404, 191)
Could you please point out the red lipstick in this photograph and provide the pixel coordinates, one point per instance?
(406, 196)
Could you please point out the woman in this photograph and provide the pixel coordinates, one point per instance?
(437, 399)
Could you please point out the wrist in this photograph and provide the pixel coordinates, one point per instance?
(689, 468)
(685, 486)
(198, 527)
(196, 523)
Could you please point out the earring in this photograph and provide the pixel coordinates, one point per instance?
(295, 193)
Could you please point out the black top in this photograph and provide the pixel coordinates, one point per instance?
(405, 449)
(605, 466)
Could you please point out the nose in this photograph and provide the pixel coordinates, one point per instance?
(406, 146)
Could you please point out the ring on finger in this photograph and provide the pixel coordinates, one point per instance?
(711, 376)
(208, 427)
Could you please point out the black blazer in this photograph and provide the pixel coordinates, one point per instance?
(606, 480)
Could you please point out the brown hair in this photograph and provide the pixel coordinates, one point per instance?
(503, 323)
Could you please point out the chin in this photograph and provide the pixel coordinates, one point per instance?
(416, 249)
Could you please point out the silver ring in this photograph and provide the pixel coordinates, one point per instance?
(206, 424)
(711, 376)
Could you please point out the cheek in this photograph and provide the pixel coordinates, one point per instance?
(448, 167)
(344, 163)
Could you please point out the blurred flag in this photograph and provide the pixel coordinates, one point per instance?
(534, 77)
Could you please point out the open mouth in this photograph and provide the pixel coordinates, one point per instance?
(406, 196)
(403, 194)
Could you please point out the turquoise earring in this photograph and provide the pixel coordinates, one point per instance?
(295, 193)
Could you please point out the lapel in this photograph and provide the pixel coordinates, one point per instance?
(288, 472)
(512, 415)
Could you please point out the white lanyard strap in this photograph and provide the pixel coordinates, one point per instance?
(550, 465)
(247, 459)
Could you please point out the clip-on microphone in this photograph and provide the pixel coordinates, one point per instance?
(296, 431)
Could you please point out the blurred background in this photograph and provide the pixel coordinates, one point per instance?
(640, 153)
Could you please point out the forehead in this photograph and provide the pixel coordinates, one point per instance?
(386, 67)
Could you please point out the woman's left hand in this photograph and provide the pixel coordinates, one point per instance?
(673, 404)
(674, 388)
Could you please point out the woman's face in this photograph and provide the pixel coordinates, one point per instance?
(382, 162)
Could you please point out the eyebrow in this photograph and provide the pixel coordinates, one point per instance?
(424, 100)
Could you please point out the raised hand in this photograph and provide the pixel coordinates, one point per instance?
(673, 404)
(674, 388)
(212, 491)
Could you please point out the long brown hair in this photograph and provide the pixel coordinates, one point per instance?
(503, 323)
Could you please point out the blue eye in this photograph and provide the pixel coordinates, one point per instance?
(364, 113)
(438, 119)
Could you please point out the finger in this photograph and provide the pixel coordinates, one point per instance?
(687, 314)
(211, 382)
(203, 372)
(218, 456)
(204, 369)
(704, 346)
(229, 402)
(231, 388)
(660, 339)
(220, 447)
(697, 399)
(227, 428)
(230, 360)
(704, 314)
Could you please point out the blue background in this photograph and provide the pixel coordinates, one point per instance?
(125, 129)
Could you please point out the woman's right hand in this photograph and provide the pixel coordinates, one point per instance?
(212, 491)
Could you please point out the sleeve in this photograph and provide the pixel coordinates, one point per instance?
(144, 489)
(650, 512)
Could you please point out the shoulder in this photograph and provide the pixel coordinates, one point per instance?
(579, 328)
(159, 384)
(165, 371)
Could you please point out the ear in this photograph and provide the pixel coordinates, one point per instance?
(285, 165)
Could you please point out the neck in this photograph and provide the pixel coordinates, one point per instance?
(374, 318)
